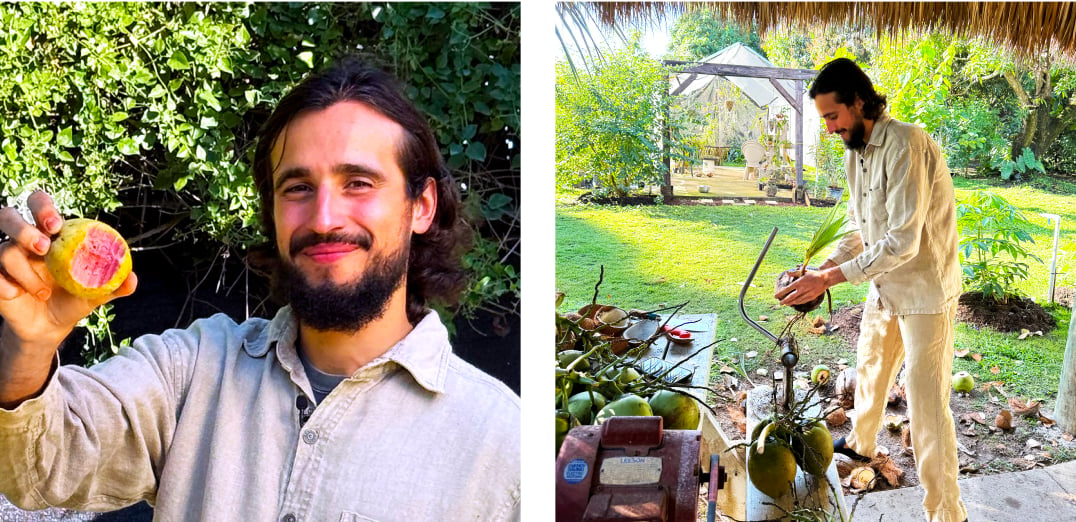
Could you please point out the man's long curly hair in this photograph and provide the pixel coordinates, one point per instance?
(434, 272)
(845, 78)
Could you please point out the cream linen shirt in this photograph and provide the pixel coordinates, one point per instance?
(203, 424)
(903, 206)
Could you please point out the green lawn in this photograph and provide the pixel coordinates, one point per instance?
(665, 255)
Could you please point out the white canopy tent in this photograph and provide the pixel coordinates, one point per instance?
(773, 89)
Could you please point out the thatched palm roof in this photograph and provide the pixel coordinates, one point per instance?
(1027, 28)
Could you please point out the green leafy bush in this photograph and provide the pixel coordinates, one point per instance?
(992, 235)
(144, 114)
(609, 121)
(1021, 167)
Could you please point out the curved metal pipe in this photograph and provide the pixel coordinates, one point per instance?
(747, 284)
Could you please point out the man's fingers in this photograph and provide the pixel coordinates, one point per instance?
(127, 287)
(46, 216)
(22, 233)
(8, 289)
(20, 271)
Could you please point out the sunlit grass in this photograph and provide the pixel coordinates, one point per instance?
(656, 256)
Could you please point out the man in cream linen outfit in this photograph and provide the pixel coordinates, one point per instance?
(348, 405)
(901, 197)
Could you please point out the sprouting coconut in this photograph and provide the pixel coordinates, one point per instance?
(813, 448)
(770, 463)
(831, 229)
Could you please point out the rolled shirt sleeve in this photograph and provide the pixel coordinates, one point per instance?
(95, 438)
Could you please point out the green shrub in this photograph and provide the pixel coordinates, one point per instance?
(144, 114)
(608, 123)
(992, 234)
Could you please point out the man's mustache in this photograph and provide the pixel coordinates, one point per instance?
(299, 242)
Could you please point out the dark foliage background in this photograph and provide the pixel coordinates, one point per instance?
(143, 115)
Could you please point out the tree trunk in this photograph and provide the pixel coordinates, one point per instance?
(1065, 411)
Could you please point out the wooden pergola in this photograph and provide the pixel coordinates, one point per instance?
(1027, 28)
(795, 99)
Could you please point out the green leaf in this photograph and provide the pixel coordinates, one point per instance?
(476, 151)
(307, 57)
(65, 138)
(178, 61)
(127, 146)
(119, 116)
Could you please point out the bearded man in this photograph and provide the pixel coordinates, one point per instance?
(902, 202)
(348, 405)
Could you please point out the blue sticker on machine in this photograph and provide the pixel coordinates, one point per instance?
(576, 471)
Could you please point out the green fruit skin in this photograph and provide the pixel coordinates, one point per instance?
(628, 405)
(814, 450)
(678, 411)
(963, 383)
(758, 428)
(820, 374)
(628, 375)
(582, 408)
(567, 356)
(772, 471)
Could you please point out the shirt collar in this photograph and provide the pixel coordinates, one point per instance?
(878, 132)
(424, 352)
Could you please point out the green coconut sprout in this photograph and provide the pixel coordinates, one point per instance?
(831, 229)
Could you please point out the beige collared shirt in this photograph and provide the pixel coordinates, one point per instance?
(202, 423)
(903, 206)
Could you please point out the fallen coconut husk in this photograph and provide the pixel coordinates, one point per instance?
(844, 464)
(1024, 407)
(889, 470)
(845, 387)
(837, 418)
(1003, 420)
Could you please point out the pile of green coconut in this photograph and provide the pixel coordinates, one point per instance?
(598, 375)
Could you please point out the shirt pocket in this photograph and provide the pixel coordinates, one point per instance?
(876, 209)
(348, 516)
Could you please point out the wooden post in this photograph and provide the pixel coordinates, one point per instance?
(1065, 411)
(799, 133)
(666, 187)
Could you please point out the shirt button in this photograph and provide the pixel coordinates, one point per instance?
(288, 518)
(310, 436)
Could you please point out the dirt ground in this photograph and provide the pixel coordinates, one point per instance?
(1033, 441)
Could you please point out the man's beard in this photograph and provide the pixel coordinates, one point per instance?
(342, 307)
(855, 137)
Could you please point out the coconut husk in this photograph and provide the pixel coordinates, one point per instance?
(1024, 407)
(836, 418)
(845, 386)
(1003, 420)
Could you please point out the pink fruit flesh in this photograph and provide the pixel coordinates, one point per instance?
(97, 259)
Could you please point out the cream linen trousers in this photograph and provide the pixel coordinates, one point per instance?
(925, 342)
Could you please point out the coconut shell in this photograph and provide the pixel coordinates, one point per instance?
(787, 278)
(845, 387)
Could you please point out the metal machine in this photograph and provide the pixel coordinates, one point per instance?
(631, 469)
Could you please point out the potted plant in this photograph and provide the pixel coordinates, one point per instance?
(771, 187)
(829, 230)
